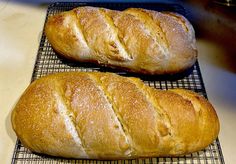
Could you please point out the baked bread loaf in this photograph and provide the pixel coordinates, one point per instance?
(107, 116)
(136, 40)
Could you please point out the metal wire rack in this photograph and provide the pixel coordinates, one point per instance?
(48, 62)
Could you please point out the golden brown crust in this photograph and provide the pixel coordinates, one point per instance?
(106, 116)
(38, 124)
(137, 40)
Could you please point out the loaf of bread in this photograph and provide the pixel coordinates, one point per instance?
(107, 116)
(136, 40)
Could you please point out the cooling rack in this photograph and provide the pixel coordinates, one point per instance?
(49, 62)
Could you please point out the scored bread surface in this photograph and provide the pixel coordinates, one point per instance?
(106, 116)
(137, 40)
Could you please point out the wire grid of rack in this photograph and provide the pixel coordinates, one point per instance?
(48, 62)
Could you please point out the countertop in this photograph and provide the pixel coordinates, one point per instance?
(21, 27)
